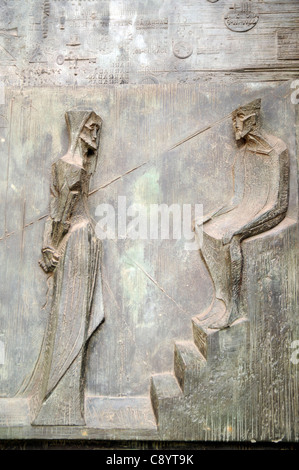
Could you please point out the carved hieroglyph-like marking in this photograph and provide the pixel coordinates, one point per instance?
(60, 59)
(118, 73)
(62, 20)
(149, 80)
(73, 59)
(5, 56)
(12, 32)
(287, 44)
(46, 14)
(182, 50)
(152, 23)
(38, 57)
(105, 46)
(240, 18)
(74, 42)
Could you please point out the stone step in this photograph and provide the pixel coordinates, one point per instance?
(205, 339)
(188, 363)
(127, 413)
(164, 391)
(14, 412)
(217, 345)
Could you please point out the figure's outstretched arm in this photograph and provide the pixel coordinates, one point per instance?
(237, 192)
(221, 210)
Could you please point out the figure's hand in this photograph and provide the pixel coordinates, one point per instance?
(194, 224)
(200, 221)
(50, 259)
(227, 238)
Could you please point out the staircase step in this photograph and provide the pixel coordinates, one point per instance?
(215, 344)
(164, 391)
(188, 362)
(204, 338)
(166, 386)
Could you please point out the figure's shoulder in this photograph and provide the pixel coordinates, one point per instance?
(58, 164)
(276, 143)
(59, 168)
(64, 171)
(282, 146)
(66, 164)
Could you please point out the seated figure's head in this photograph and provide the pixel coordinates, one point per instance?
(246, 119)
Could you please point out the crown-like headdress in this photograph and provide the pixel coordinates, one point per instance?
(249, 108)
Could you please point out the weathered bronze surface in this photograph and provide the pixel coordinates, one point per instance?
(197, 344)
(102, 42)
(224, 384)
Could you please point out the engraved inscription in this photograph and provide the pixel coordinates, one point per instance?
(74, 59)
(38, 57)
(182, 50)
(11, 32)
(149, 23)
(150, 80)
(46, 13)
(117, 74)
(151, 34)
(154, 48)
(241, 18)
(287, 45)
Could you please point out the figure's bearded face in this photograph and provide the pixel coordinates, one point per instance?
(90, 133)
(243, 124)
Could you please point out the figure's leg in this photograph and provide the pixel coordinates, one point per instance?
(236, 277)
(234, 264)
(217, 260)
(224, 263)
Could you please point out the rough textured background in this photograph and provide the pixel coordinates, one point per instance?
(95, 42)
(151, 289)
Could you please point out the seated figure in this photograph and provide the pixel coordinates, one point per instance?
(259, 203)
